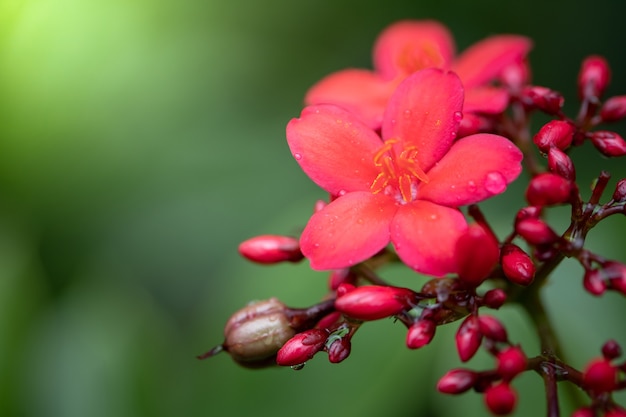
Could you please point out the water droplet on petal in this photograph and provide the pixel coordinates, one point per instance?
(297, 367)
(298, 156)
(453, 135)
(471, 187)
(341, 193)
(316, 245)
(458, 116)
(495, 182)
(407, 114)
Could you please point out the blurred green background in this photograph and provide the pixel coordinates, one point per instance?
(141, 141)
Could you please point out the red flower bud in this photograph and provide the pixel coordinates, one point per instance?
(594, 282)
(339, 350)
(600, 376)
(613, 109)
(608, 143)
(615, 412)
(528, 213)
(556, 133)
(517, 265)
(561, 164)
(457, 381)
(611, 350)
(494, 298)
(271, 249)
(516, 75)
(593, 78)
(373, 302)
(474, 123)
(511, 362)
(500, 398)
(477, 253)
(615, 273)
(301, 347)
(536, 231)
(492, 328)
(468, 338)
(584, 412)
(341, 276)
(619, 196)
(548, 189)
(542, 98)
(420, 333)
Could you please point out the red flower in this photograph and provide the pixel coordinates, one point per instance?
(405, 189)
(409, 46)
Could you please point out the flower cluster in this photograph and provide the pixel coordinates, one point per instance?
(405, 152)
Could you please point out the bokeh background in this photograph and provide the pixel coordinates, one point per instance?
(141, 141)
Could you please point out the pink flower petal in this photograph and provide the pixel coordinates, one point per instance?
(425, 235)
(361, 92)
(425, 111)
(349, 230)
(485, 100)
(476, 167)
(334, 148)
(485, 60)
(409, 46)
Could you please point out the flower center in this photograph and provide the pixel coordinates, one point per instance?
(399, 171)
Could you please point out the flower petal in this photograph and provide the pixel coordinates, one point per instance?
(485, 100)
(425, 111)
(476, 167)
(362, 92)
(485, 60)
(425, 235)
(349, 230)
(334, 148)
(408, 46)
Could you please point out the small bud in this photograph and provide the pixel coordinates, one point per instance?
(608, 143)
(613, 109)
(474, 123)
(594, 282)
(561, 164)
(593, 78)
(611, 350)
(516, 75)
(527, 213)
(271, 249)
(500, 398)
(373, 302)
(556, 133)
(548, 189)
(328, 320)
(542, 98)
(584, 412)
(341, 276)
(619, 196)
(511, 362)
(345, 288)
(301, 347)
(339, 349)
(517, 265)
(615, 412)
(457, 381)
(536, 232)
(468, 338)
(477, 253)
(420, 333)
(494, 298)
(615, 273)
(600, 376)
(492, 328)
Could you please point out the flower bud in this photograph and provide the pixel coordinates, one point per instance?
(536, 231)
(477, 253)
(594, 282)
(271, 249)
(556, 133)
(615, 412)
(254, 334)
(341, 276)
(511, 362)
(593, 78)
(474, 123)
(613, 109)
(339, 350)
(619, 196)
(457, 381)
(373, 302)
(584, 412)
(600, 376)
(608, 143)
(542, 98)
(420, 333)
(468, 338)
(548, 189)
(561, 164)
(516, 75)
(301, 347)
(611, 350)
(529, 212)
(500, 399)
(492, 329)
(615, 273)
(494, 298)
(517, 265)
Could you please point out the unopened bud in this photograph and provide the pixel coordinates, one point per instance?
(593, 78)
(511, 362)
(373, 302)
(594, 282)
(339, 349)
(468, 338)
(619, 196)
(536, 231)
(457, 381)
(492, 328)
(608, 143)
(517, 265)
(542, 98)
(613, 109)
(611, 350)
(500, 398)
(615, 412)
(556, 133)
(494, 298)
(271, 249)
(584, 412)
(561, 164)
(529, 212)
(516, 75)
(420, 333)
(548, 189)
(301, 347)
(615, 274)
(600, 376)
(341, 276)
(474, 123)
(477, 253)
